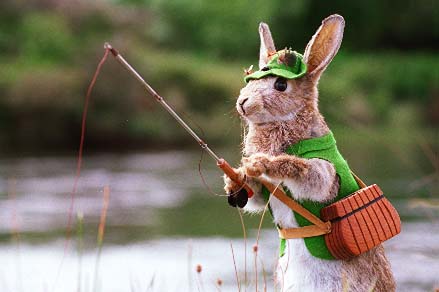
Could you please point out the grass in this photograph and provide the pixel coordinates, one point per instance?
(100, 238)
(15, 232)
(80, 246)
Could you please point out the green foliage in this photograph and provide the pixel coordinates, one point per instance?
(45, 37)
(380, 81)
(228, 28)
(193, 53)
(221, 28)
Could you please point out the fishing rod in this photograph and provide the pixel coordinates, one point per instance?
(239, 198)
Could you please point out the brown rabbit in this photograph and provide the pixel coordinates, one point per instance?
(280, 112)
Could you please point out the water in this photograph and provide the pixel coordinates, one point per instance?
(161, 223)
(169, 263)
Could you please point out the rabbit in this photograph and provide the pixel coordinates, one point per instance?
(279, 112)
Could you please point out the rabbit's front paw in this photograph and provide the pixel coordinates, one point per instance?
(255, 165)
(229, 185)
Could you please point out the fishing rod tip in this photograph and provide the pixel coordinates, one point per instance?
(107, 46)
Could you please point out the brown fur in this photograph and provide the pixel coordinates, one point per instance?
(278, 166)
(277, 119)
(370, 267)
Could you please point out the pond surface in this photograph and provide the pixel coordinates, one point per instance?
(161, 222)
(168, 264)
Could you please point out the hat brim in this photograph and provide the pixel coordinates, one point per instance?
(274, 72)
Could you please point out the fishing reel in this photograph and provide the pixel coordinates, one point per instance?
(238, 198)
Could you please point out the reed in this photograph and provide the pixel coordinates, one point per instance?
(264, 274)
(236, 269)
(189, 263)
(80, 246)
(256, 246)
(244, 234)
(219, 283)
(15, 230)
(100, 236)
(200, 285)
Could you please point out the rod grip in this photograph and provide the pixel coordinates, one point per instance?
(230, 172)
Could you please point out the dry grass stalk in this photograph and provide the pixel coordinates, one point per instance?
(100, 237)
(255, 247)
(199, 269)
(236, 270)
(15, 229)
(79, 236)
(245, 248)
(103, 219)
(189, 265)
(219, 283)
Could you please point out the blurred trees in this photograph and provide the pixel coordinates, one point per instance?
(227, 28)
(193, 52)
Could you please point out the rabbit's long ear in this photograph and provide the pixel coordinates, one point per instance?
(267, 45)
(323, 46)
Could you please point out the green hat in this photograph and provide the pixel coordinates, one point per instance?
(285, 63)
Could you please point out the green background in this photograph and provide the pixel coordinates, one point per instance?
(193, 53)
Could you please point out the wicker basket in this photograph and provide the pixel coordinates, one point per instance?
(360, 222)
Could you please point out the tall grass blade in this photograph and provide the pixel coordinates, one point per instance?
(100, 237)
(80, 246)
(236, 269)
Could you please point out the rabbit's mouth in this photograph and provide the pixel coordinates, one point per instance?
(241, 108)
(252, 110)
(259, 114)
(249, 110)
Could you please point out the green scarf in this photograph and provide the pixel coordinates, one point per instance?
(324, 148)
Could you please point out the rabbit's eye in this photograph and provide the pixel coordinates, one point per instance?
(280, 84)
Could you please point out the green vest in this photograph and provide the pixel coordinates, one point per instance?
(324, 148)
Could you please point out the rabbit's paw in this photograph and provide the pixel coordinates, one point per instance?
(255, 165)
(229, 185)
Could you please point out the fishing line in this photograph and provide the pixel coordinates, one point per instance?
(209, 189)
(79, 161)
(200, 161)
(206, 185)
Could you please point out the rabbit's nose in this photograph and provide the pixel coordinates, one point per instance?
(241, 104)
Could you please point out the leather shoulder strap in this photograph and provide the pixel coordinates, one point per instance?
(302, 232)
(320, 227)
(360, 183)
(279, 193)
